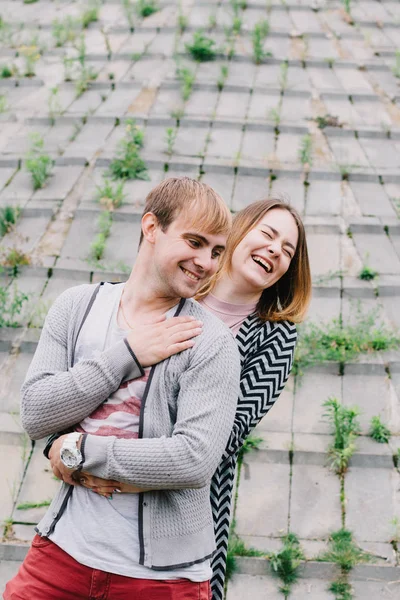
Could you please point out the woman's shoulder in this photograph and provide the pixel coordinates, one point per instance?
(255, 328)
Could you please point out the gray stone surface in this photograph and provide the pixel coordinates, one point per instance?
(367, 490)
(263, 501)
(8, 568)
(314, 506)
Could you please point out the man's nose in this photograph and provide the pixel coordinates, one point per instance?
(204, 260)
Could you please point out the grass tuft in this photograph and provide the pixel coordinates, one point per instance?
(38, 162)
(286, 562)
(345, 430)
(344, 552)
(378, 431)
(202, 47)
(333, 341)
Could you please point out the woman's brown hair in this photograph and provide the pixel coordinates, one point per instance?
(288, 298)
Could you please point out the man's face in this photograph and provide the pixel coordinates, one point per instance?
(184, 257)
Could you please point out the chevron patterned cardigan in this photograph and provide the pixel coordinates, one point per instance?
(266, 353)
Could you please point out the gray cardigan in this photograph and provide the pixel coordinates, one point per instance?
(187, 414)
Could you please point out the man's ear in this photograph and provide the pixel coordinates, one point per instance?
(150, 226)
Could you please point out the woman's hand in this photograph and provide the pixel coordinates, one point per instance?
(104, 487)
(160, 338)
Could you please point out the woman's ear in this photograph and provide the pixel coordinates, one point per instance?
(149, 227)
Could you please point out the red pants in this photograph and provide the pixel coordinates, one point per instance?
(49, 573)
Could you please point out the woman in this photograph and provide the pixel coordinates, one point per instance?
(261, 289)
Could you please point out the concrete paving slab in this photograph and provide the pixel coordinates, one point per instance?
(261, 105)
(257, 146)
(249, 189)
(224, 143)
(379, 251)
(191, 141)
(372, 199)
(262, 507)
(201, 103)
(324, 197)
(8, 568)
(315, 387)
(232, 105)
(373, 500)
(262, 588)
(290, 189)
(315, 503)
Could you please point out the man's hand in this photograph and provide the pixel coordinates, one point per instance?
(160, 338)
(59, 469)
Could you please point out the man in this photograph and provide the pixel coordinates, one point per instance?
(162, 428)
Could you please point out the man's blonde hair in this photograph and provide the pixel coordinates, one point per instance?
(177, 196)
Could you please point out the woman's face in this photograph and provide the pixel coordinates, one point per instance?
(265, 253)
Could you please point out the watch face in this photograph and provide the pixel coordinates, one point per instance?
(69, 459)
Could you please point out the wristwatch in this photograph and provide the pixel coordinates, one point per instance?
(70, 455)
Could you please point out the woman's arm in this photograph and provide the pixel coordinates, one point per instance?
(263, 378)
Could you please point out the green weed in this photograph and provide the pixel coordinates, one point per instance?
(12, 303)
(223, 74)
(345, 428)
(305, 151)
(37, 162)
(344, 552)
(275, 116)
(12, 259)
(258, 36)
(110, 197)
(65, 30)
(91, 14)
(186, 78)
(347, 6)
(8, 218)
(86, 75)
(3, 104)
(182, 22)
(202, 47)
(378, 431)
(212, 21)
(54, 104)
(29, 505)
(98, 246)
(333, 341)
(128, 163)
(341, 589)
(396, 66)
(6, 72)
(367, 274)
(129, 12)
(286, 562)
(237, 547)
(250, 443)
(145, 8)
(283, 75)
(30, 55)
(328, 121)
(170, 137)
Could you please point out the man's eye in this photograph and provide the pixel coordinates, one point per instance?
(194, 243)
(216, 254)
